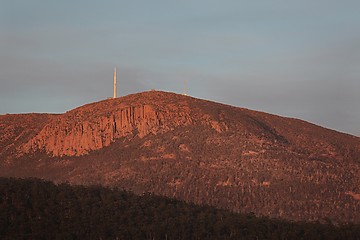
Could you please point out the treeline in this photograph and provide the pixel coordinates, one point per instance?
(37, 209)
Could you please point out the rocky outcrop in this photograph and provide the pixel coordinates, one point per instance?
(63, 137)
(94, 126)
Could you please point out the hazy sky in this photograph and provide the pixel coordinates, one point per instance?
(293, 58)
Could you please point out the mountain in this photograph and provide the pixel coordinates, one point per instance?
(193, 150)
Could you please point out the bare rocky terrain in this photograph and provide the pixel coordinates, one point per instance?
(194, 150)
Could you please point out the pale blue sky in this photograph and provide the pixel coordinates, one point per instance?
(293, 58)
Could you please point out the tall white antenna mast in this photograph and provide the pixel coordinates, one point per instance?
(114, 82)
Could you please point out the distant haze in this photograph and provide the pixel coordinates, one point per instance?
(292, 58)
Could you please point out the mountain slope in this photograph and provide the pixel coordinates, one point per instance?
(198, 151)
(17, 129)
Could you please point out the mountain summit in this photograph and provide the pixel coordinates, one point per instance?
(191, 149)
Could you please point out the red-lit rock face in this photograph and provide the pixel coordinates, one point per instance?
(75, 138)
(62, 137)
(93, 127)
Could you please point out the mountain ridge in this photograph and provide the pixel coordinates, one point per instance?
(124, 104)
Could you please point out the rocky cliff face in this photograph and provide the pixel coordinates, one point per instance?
(74, 138)
(95, 126)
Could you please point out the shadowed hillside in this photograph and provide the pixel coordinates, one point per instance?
(34, 209)
(194, 150)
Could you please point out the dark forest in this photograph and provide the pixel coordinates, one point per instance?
(38, 209)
